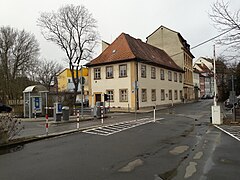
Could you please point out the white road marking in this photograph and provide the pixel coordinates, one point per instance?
(227, 132)
(118, 127)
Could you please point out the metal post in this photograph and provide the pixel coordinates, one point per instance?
(46, 115)
(29, 106)
(78, 124)
(35, 114)
(101, 114)
(154, 114)
(214, 76)
(82, 91)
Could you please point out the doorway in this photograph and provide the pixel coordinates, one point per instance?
(97, 98)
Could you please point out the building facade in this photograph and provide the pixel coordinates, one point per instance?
(179, 50)
(205, 67)
(134, 75)
(65, 83)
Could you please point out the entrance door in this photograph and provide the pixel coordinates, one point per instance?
(97, 98)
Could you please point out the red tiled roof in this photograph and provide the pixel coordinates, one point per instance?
(126, 48)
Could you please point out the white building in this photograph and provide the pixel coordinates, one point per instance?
(129, 61)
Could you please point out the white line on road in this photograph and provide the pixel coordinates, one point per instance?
(227, 133)
(118, 127)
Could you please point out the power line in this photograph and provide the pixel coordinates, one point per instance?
(204, 42)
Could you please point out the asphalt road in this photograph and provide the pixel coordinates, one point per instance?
(181, 146)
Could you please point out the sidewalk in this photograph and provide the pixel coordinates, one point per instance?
(35, 129)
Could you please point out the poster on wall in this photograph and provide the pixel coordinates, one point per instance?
(37, 104)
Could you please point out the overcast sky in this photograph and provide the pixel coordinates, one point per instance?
(135, 17)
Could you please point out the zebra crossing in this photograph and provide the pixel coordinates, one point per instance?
(118, 127)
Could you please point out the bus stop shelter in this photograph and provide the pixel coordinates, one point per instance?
(35, 99)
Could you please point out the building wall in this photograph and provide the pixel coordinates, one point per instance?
(158, 84)
(102, 85)
(196, 81)
(65, 80)
(168, 40)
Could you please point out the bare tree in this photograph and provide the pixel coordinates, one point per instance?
(18, 52)
(47, 72)
(228, 22)
(73, 29)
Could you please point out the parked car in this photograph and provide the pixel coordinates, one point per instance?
(207, 96)
(5, 108)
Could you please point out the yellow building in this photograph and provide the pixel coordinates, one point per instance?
(65, 83)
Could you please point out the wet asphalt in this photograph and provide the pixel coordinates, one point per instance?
(183, 145)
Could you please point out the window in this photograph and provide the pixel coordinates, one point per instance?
(143, 71)
(162, 74)
(162, 95)
(153, 72)
(123, 95)
(109, 72)
(175, 77)
(153, 94)
(110, 94)
(175, 95)
(170, 75)
(180, 77)
(97, 73)
(144, 95)
(170, 94)
(69, 80)
(123, 70)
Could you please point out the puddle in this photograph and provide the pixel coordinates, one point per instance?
(11, 149)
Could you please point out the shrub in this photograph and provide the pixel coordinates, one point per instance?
(9, 127)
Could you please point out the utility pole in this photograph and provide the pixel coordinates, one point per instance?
(214, 76)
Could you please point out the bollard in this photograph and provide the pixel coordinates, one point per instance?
(78, 125)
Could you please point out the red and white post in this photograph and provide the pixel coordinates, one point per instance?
(78, 124)
(101, 114)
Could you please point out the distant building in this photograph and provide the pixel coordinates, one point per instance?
(104, 45)
(65, 83)
(196, 83)
(205, 67)
(135, 75)
(178, 49)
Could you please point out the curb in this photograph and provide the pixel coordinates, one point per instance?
(26, 140)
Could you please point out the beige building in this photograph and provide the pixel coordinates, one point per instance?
(179, 50)
(135, 75)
